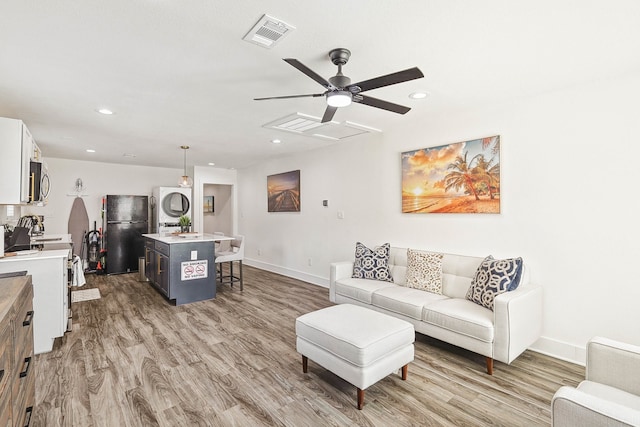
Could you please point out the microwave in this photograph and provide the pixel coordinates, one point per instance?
(35, 179)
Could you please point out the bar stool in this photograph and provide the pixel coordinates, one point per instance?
(235, 253)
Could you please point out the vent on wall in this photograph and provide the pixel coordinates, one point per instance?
(303, 124)
(268, 32)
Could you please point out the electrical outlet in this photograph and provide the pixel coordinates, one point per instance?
(259, 251)
(310, 261)
(340, 214)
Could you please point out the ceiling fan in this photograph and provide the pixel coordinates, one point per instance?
(340, 92)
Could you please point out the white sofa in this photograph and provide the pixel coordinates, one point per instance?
(502, 334)
(610, 394)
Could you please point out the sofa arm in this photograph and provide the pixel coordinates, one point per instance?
(517, 319)
(339, 270)
(614, 363)
(572, 407)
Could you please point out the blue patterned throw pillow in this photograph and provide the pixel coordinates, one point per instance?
(493, 277)
(372, 263)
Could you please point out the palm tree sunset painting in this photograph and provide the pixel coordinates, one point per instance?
(463, 177)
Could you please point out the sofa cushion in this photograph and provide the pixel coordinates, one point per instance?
(360, 289)
(424, 271)
(493, 277)
(372, 263)
(403, 300)
(461, 316)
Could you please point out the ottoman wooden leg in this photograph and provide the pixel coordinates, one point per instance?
(305, 364)
(360, 398)
(404, 372)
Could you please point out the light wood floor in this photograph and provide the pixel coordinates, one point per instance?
(134, 360)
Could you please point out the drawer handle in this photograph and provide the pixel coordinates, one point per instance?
(27, 419)
(27, 361)
(29, 317)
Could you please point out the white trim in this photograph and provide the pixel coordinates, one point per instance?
(300, 275)
(560, 350)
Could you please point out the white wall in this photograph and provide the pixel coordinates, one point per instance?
(569, 205)
(99, 179)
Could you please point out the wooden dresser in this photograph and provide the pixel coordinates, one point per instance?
(17, 373)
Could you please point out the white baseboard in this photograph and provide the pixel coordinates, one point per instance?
(550, 347)
(560, 350)
(300, 275)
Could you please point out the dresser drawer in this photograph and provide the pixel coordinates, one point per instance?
(23, 326)
(6, 373)
(24, 385)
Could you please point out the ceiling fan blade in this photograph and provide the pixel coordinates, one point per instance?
(313, 95)
(308, 71)
(389, 79)
(379, 103)
(328, 114)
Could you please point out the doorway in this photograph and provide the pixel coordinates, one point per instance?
(217, 209)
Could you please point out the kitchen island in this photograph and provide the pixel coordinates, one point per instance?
(181, 266)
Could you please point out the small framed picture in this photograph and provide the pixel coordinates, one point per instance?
(208, 204)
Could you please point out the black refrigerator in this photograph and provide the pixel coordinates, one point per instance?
(127, 219)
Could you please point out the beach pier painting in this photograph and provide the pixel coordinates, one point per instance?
(463, 177)
(283, 192)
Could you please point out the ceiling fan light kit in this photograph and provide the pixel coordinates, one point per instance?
(340, 92)
(339, 98)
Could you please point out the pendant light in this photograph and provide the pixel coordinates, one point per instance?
(185, 180)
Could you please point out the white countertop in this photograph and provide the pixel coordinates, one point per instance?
(45, 239)
(186, 238)
(36, 255)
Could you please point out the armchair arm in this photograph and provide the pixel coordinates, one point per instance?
(339, 270)
(572, 407)
(517, 317)
(614, 363)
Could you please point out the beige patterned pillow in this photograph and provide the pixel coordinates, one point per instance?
(424, 271)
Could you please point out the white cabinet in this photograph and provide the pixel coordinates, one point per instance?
(17, 148)
(48, 270)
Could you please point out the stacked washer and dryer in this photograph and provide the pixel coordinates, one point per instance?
(171, 204)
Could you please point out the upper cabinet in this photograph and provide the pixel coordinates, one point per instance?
(19, 172)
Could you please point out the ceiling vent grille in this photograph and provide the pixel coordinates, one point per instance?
(268, 32)
(303, 124)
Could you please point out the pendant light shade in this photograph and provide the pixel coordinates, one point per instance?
(185, 180)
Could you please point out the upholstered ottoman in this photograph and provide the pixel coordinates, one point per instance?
(359, 345)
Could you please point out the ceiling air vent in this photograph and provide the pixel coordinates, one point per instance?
(268, 32)
(303, 124)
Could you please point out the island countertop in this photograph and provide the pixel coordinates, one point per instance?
(186, 237)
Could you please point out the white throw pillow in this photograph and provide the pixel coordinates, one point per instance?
(424, 271)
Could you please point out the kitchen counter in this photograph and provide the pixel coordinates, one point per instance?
(48, 270)
(186, 237)
(35, 254)
(47, 239)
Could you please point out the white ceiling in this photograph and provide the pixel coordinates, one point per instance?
(178, 72)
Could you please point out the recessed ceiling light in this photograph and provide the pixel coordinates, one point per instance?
(211, 164)
(105, 111)
(276, 141)
(89, 150)
(418, 95)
